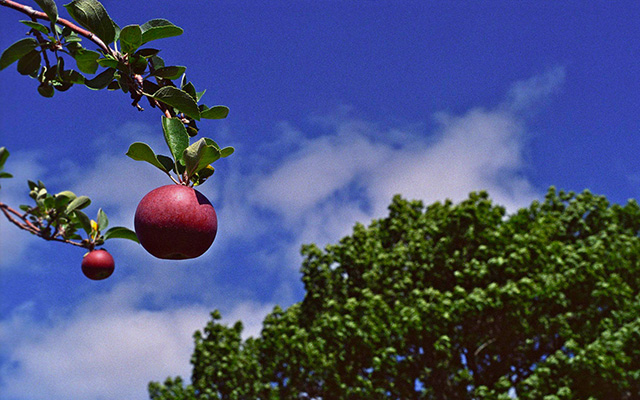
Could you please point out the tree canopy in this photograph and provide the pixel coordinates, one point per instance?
(448, 301)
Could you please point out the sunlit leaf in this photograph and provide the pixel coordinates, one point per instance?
(175, 134)
(178, 99)
(92, 15)
(159, 29)
(37, 26)
(130, 38)
(142, 152)
(78, 203)
(103, 221)
(217, 112)
(120, 232)
(86, 61)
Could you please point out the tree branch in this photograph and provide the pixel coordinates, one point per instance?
(29, 227)
(40, 15)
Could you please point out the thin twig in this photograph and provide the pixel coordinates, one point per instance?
(29, 227)
(75, 28)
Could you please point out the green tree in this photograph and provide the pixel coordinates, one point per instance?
(449, 301)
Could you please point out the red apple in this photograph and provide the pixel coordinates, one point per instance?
(175, 222)
(97, 265)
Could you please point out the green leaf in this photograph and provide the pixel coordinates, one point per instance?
(78, 204)
(120, 232)
(5, 175)
(157, 62)
(37, 26)
(227, 151)
(102, 80)
(178, 99)
(92, 15)
(217, 112)
(201, 176)
(83, 220)
(29, 64)
(103, 221)
(169, 72)
(200, 94)
(130, 38)
(199, 155)
(159, 29)
(175, 134)
(142, 152)
(16, 51)
(109, 63)
(87, 61)
(49, 8)
(4, 155)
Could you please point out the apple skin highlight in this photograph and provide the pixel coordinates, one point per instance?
(175, 222)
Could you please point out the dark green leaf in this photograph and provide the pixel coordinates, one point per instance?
(29, 64)
(130, 38)
(175, 134)
(156, 61)
(49, 8)
(142, 152)
(102, 80)
(86, 61)
(16, 51)
(167, 162)
(178, 99)
(78, 204)
(204, 174)
(169, 72)
(159, 29)
(37, 26)
(4, 154)
(147, 52)
(138, 64)
(217, 112)
(110, 63)
(103, 221)
(72, 76)
(120, 232)
(189, 88)
(92, 15)
(46, 89)
(5, 175)
(83, 221)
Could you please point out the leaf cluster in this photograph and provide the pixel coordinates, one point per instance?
(130, 66)
(455, 301)
(60, 217)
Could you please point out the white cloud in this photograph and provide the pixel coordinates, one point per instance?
(109, 347)
(352, 173)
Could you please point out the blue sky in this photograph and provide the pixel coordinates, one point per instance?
(335, 107)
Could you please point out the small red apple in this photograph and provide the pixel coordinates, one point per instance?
(175, 222)
(97, 265)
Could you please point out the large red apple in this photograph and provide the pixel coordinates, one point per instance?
(97, 265)
(175, 222)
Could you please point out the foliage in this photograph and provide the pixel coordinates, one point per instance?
(451, 301)
(122, 61)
